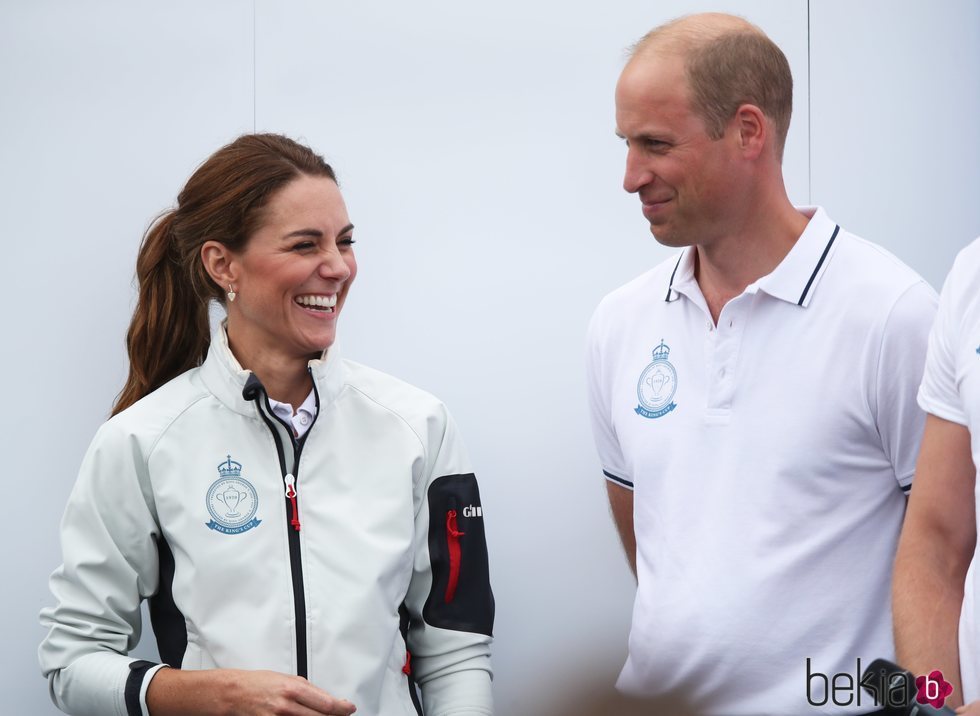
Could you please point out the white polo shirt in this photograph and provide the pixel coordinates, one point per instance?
(951, 390)
(303, 417)
(768, 456)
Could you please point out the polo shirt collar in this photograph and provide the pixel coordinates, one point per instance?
(682, 281)
(796, 277)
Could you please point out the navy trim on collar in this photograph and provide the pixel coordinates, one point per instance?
(670, 286)
(816, 270)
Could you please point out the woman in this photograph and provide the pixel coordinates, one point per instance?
(296, 520)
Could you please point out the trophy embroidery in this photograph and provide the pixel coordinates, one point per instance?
(657, 384)
(232, 501)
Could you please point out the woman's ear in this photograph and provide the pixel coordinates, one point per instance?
(219, 262)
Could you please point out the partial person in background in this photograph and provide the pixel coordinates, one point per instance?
(937, 585)
(752, 398)
(591, 697)
(307, 530)
(604, 702)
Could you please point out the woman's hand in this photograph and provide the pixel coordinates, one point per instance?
(971, 709)
(227, 692)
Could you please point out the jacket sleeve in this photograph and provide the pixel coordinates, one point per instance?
(108, 542)
(449, 601)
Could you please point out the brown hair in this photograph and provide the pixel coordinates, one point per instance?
(222, 201)
(728, 62)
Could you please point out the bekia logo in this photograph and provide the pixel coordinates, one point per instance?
(932, 689)
(886, 689)
(471, 511)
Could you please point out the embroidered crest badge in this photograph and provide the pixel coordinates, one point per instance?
(232, 501)
(657, 385)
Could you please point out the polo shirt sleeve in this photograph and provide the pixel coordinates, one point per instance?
(938, 393)
(599, 380)
(901, 360)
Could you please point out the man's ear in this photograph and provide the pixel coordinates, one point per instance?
(219, 262)
(753, 130)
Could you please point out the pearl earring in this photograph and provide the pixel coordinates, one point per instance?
(231, 293)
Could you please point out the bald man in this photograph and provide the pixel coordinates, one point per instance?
(752, 398)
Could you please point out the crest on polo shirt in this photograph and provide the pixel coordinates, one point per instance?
(232, 501)
(657, 385)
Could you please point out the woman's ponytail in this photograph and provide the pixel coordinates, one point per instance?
(169, 332)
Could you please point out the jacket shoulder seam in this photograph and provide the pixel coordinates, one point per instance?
(166, 428)
(398, 415)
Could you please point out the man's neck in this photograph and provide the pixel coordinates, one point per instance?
(753, 249)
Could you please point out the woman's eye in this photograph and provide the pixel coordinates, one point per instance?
(346, 241)
(304, 246)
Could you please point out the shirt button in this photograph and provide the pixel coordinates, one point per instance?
(304, 419)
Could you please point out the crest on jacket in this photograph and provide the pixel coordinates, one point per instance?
(232, 501)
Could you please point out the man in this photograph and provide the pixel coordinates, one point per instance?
(937, 600)
(753, 399)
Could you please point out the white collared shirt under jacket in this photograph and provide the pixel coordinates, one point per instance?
(768, 455)
(325, 556)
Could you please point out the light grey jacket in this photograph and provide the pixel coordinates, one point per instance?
(324, 557)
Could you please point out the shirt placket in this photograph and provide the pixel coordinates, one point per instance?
(724, 343)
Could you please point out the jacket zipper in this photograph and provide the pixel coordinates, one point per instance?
(455, 554)
(291, 496)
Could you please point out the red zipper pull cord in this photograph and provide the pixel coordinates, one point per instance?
(291, 494)
(407, 669)
(452, 538)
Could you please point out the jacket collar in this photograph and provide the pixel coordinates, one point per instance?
(796, 277)
(226, 379)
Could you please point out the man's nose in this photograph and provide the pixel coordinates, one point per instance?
(636, 174)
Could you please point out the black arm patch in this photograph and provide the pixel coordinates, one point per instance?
(460, 598)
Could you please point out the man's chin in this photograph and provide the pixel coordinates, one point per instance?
(665, 237)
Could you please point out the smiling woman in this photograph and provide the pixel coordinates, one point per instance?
(300, 524)
(290, 282)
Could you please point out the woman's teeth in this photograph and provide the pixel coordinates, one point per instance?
(317, 302)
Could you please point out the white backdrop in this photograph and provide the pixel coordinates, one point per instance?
(475, 148)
